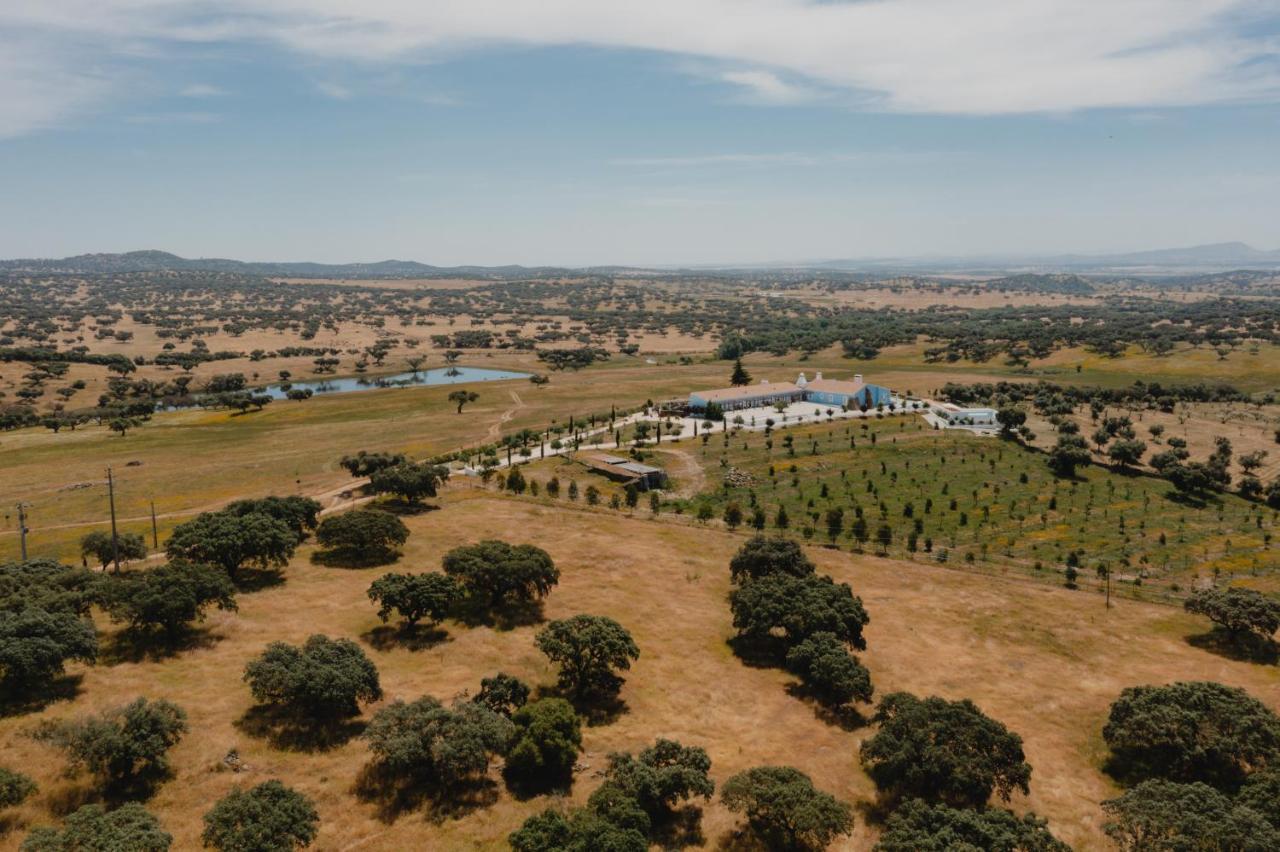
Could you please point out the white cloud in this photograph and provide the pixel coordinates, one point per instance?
(334, 90)
(767, 87)
(202, 90)
(923, 56)
(41, 87)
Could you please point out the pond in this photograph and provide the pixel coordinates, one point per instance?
(438, 376)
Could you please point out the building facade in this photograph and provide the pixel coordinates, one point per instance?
(834, 392)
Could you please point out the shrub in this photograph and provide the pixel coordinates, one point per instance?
(14, 788)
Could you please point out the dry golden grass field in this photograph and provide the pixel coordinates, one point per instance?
(1047, 662)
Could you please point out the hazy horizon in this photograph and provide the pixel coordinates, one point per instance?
(701, 132)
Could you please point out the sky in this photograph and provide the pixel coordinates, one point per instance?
(579, 132)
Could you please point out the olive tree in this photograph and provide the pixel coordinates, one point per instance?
(785, 810)
(414, 597)
(588, 648)
(943, 751)
(324, 679)
(269, 817)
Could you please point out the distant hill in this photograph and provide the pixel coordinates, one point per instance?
(157, 261)
(1212, 258)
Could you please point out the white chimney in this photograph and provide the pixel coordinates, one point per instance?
(817, 377)
(764, 381)
(802, 381)
(857, 378)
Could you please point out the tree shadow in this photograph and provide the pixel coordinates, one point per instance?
(39, 696)
(415, 638)
(846, 717)
(284, 729)
(136, 646)
(595, 710)
(757, 653)
(257, 579)
(395, 795)
(351, 558)
(679, 829)
(741, 838)
(523, 788)
(505, 616)
(1192, 500)
(1244, 648)
(405, 509)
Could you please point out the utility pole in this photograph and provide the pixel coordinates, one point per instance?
(115, 538)
(155, 532)
(22, 528)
